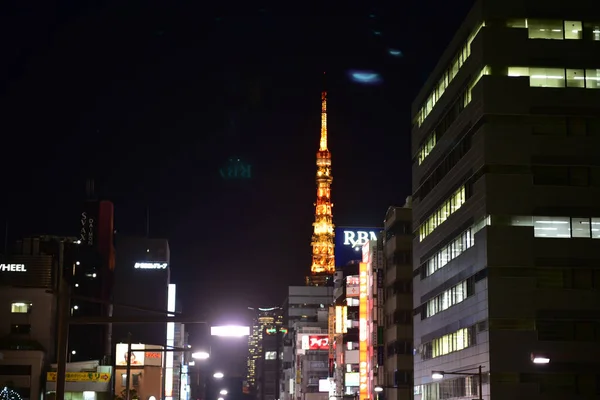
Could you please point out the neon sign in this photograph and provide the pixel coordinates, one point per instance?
(13, 267)
(318, 343)
(356, 239)
(141, 265)
(362, 333)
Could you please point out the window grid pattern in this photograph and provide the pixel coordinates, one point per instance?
(446, 78)
(454, 295)
(439, 216)
(557, 29)
(450, 343)
(560, 227)
(558, 77)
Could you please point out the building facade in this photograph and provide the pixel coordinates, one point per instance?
(398, 306)
(505, 203)
(266, 323)
(142, 280)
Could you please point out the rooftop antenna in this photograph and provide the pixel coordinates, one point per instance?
(147, 221)
(90, 189)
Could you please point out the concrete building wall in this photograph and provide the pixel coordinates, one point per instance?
(509, 270)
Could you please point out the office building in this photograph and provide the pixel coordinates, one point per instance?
(346, 302)
(505, 205)
(266, 322)
(398, 306)
(28, 314)
(141, 286)
(305, 307)
(89, 269)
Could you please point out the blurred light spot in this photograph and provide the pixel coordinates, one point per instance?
(365, 77)
(395, 53)
(371, 15)
(377, 33)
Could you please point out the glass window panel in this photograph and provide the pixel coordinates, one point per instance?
(596, 228)
(575, 78)
(592, 78)
(545, 29)
(592, 30)
(573, 30)
(20, 308)
(517, 23)
(581, 227)
(552, 227)
(547, 77)
(518, 71)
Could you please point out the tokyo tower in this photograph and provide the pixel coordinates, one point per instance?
(323, 261)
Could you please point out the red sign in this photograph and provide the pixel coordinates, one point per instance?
(318, 343)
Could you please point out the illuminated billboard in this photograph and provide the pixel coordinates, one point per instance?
(315, 342)
(141, 355)
(349, 242)
(363, 369)
(341, 316)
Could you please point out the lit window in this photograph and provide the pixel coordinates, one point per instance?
(575, 78)
(270, 355)
(547, 77)
(592, 30)
(552, 227)
(545, 29)
(439, 216)
(573, 30)
(581, 227)
(596, 228)
(20, 308)
(592, 78)
(518, 71)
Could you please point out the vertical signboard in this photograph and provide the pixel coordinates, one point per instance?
(88, 223)
(362, 349)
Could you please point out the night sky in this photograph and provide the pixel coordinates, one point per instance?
(151, 99)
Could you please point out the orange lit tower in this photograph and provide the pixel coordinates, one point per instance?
(323, 262)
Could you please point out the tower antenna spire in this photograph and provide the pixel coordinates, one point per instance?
(323, 261)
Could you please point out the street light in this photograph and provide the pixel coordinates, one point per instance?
(200, 355)
(223, 392)
(220, 398)
(218, 375)
(230, 331)
(539, 359)
(378, 389)
(437, 375)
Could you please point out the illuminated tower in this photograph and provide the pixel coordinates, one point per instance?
(323, 263)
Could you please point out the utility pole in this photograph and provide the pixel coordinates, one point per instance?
(128, 368)
(63, 325)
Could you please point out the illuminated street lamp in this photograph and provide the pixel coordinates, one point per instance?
(220, 398)
(223, 392)
(378, 389)
(218, 375)
(200, 355)
(540, 359)
(437, 375)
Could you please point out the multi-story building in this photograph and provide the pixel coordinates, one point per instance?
(372, 253)
(28, 315)
(505, 204)
(267, 323)
(346, 302)
(89, 268)
(142, 280)
(305, 307)
(398, 306)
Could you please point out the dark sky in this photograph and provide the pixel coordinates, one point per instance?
(151, 98)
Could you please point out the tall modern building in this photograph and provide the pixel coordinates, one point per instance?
(267, 321)
(506, 206)
(398, 305)
(323, 260)
(142, 280)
